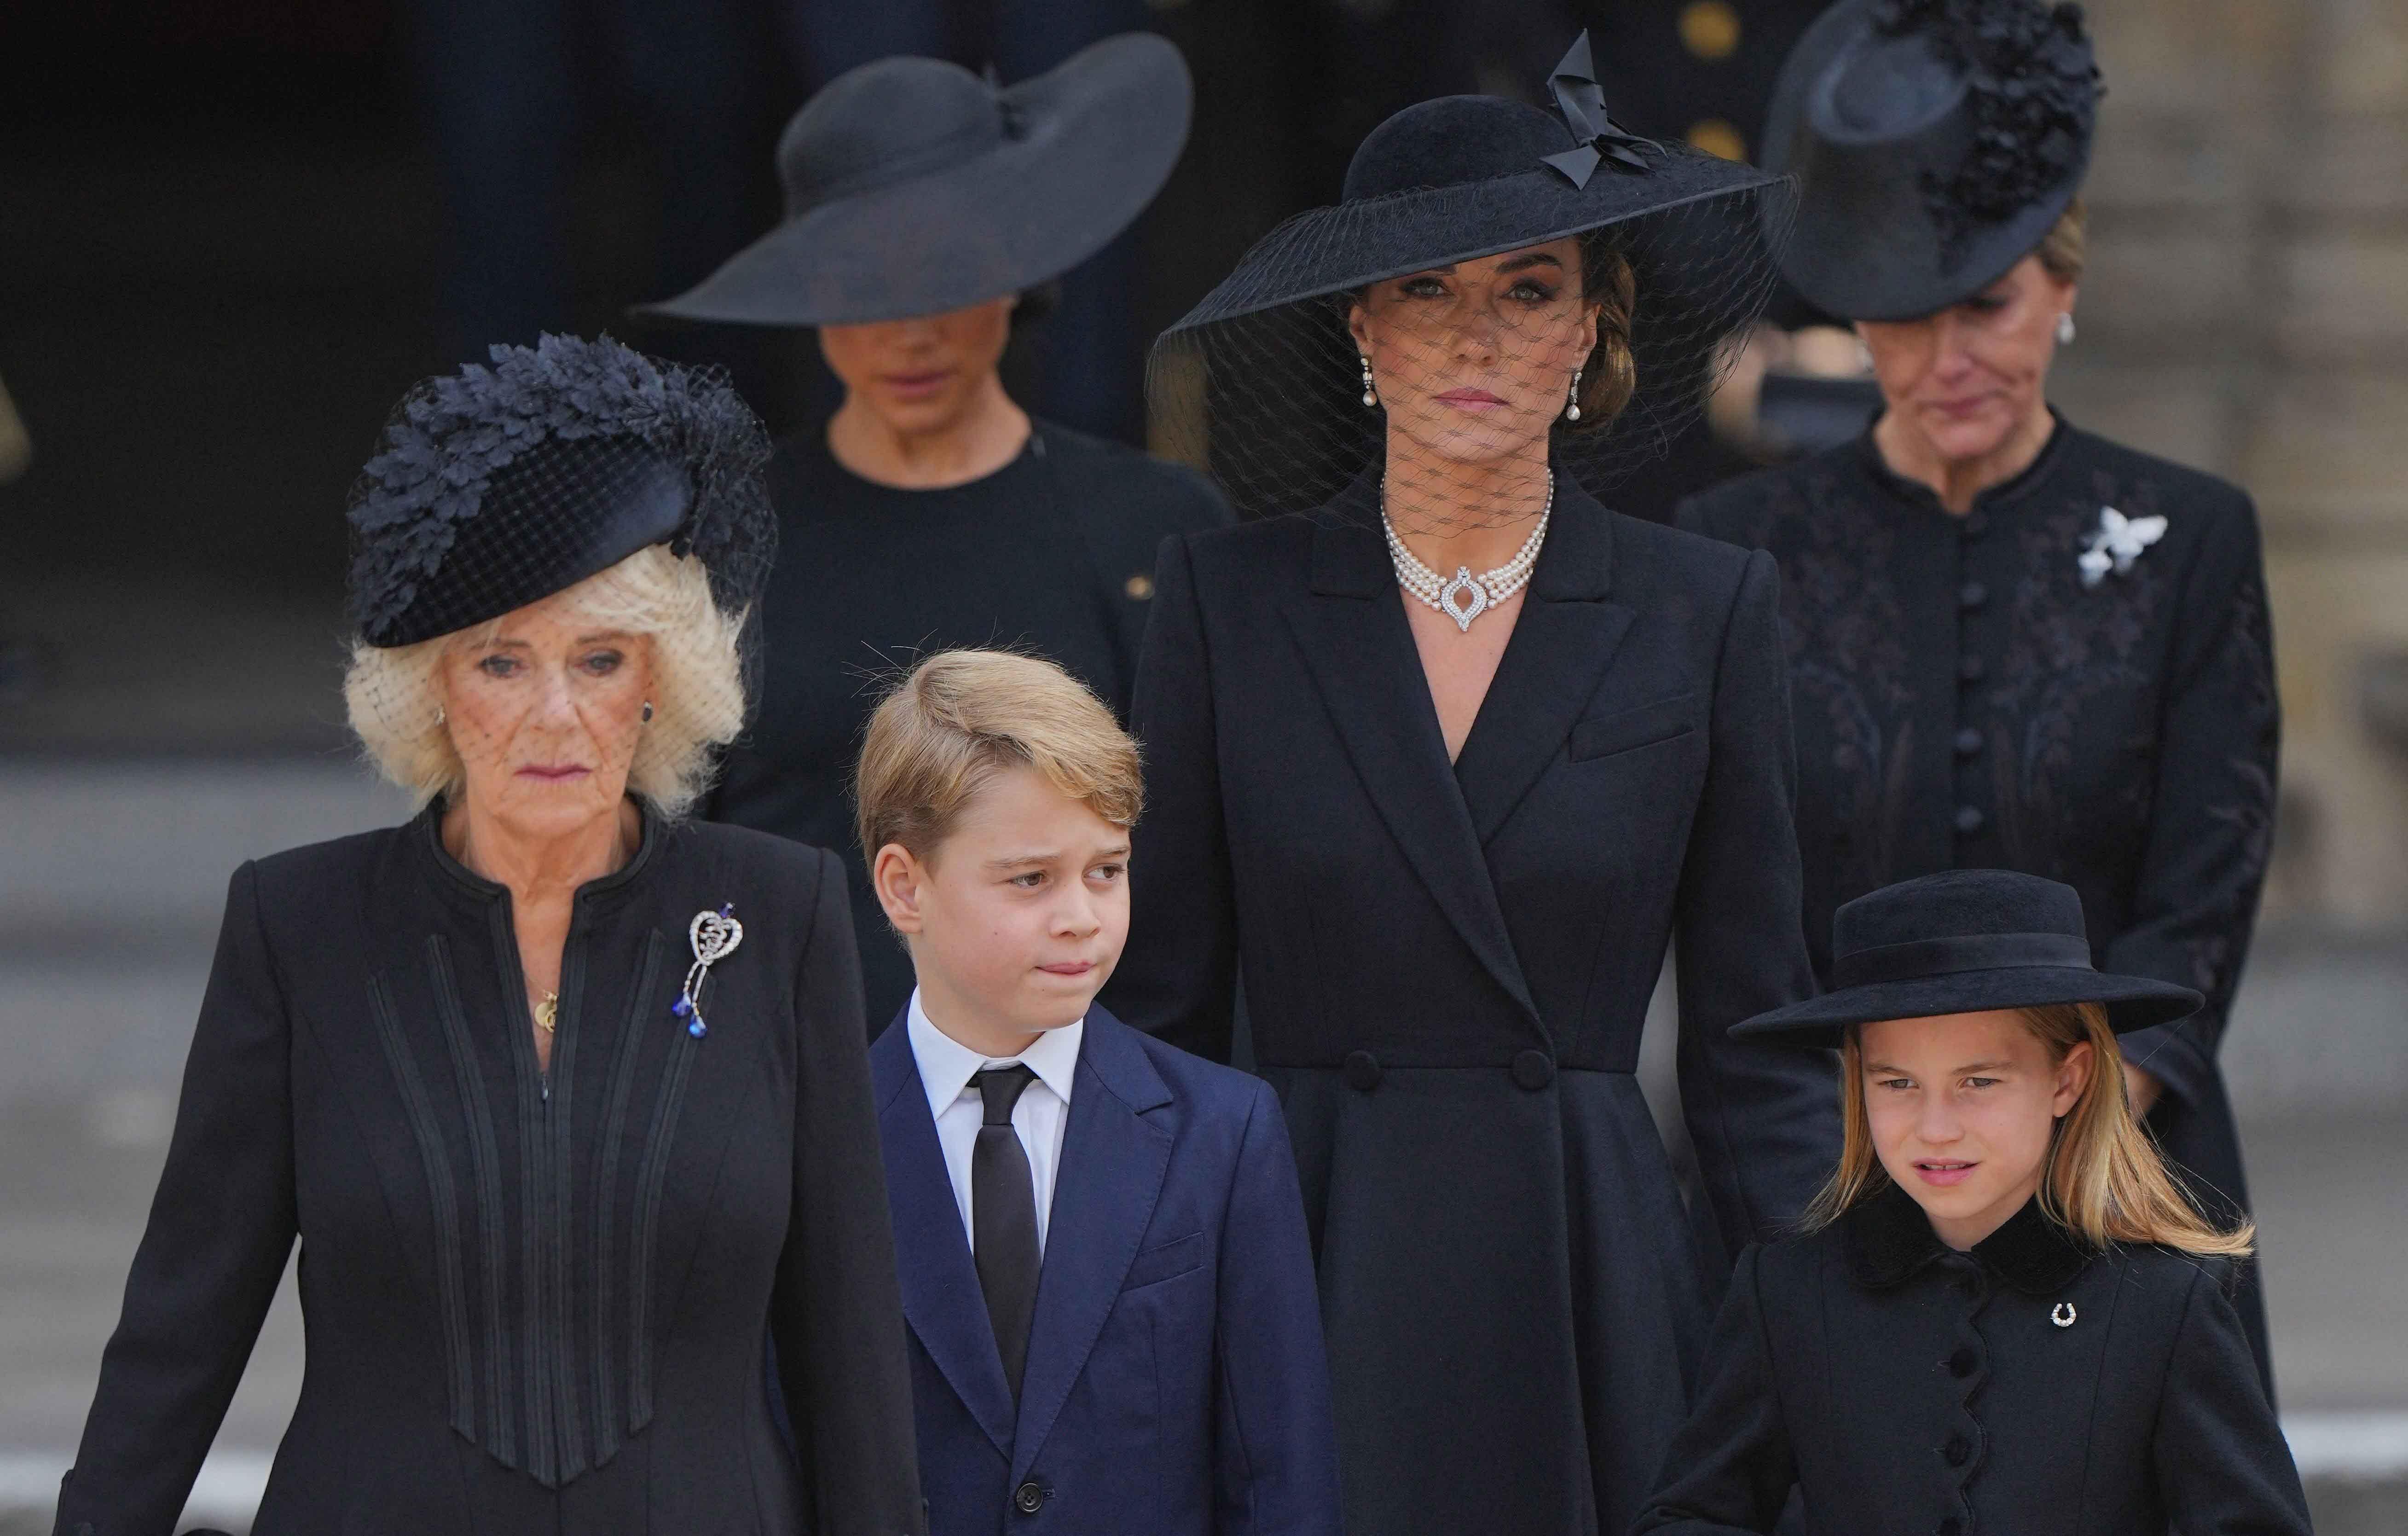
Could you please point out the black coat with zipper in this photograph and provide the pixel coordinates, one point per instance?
(1446, 972)
(534, 1300)
(2028, 1388)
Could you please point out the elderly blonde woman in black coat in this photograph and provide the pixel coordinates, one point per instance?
(565, 1098)
(2005, 1319)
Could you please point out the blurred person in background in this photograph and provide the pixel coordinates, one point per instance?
(928, 211)
(2012, 644)
(566, 1097)
(1440, 764)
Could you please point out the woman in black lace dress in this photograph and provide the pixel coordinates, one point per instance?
(2012, 643)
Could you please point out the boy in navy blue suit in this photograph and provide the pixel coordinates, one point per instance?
(1109, 1292)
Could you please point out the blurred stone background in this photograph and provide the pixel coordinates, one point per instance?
(221, 245)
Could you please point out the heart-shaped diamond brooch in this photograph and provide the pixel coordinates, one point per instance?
(714, 937)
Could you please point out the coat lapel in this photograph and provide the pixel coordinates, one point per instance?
(1115, 1151)
(1567, 633)
(943, 1300)
(1359, 649)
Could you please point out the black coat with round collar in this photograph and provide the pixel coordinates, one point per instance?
(2030, 1388)
(1447, 969)
(1964, 698)
(534, 1300)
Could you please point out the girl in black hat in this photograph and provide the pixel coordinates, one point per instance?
(928, 212)
(1441, 762)
(2005, 1317)
(564, 1096)
(2011, 643)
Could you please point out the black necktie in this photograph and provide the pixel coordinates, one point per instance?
(1003, 1218)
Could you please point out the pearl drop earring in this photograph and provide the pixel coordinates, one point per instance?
(1571, 403)
(1371, 396)
(2065, 329)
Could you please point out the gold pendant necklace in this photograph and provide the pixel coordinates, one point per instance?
(547, 1012)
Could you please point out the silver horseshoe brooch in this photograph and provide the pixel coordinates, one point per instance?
(714, 937)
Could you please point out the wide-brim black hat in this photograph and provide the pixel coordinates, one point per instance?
(1935, 144)
(502, 484)
(1964, 941)
(915, 187)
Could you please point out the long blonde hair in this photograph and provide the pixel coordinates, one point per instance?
(2104, 1180)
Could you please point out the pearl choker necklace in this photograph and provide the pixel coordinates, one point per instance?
(1467, 597)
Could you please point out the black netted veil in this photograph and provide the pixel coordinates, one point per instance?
(1262, 384)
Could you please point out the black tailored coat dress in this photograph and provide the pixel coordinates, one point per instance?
(533, 1302)
(1052, 553)
(2026, 1388)
(1964, 700)
(1446, 973)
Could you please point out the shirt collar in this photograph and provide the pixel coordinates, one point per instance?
(947, 1066)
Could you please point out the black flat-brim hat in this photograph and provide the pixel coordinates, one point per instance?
(1460, 177)
(1935, 144)
(913, 187)
(1965, 941)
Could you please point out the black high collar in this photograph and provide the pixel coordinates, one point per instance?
(1868, 455)
(1890, 1240)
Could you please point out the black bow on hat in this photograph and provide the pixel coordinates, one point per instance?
(1596, 136)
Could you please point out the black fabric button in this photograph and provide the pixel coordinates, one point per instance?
(1533, 1070)
(1969, 819)
(1954, 1453)
(1362, 1071)
(1968, 742)
(1961, 1364)
(1973, 594)
(1969, 669)
(1975, 525)
(1950, 1525)
(1029, 1499)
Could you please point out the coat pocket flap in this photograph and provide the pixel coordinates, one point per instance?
(1165, 1261)
(1604, 735)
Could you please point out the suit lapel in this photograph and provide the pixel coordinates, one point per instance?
(1115, 1151)
(1567, 633)
(1359, 649)
(943, 1300)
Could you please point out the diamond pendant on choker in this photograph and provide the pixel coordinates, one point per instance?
(1465, 596)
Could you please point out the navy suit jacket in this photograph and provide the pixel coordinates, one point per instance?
(1176, 1380)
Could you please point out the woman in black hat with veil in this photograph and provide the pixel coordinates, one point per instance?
(928, 212)
(2012, 643)
(1439, 767)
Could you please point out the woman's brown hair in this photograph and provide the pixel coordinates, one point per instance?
(2104, 1181)
(1611, 375)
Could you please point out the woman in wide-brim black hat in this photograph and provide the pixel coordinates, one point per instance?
(565, 1096)
(1440, 764)
(928, 212)
(2012, 644)
(2004, 1315)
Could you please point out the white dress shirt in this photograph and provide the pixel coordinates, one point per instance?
(1043, 1112)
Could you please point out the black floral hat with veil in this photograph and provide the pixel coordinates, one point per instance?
(1935, 144)
(506, 483)
(1263, 384)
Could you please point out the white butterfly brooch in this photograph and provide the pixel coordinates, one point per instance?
(2116, 543)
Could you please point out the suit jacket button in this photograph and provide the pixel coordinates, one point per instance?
(1950, 1525)
(1969, 819)
(1533, 1070)
(1956, 1450)
(1969, 669)
(1961, 1363)
(1973, 594)
(1362, 1071)
(1029, 1499)
(1968, 742)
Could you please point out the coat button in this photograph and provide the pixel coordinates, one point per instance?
(1362, 1071)
(1954, 1453)
(1973, 594)
(1533, 1070)
(1968, 742)
(1975, 525)
(1969, 819)
(1029, 1499)
(1961, 1364)
(1950, 1525)
(1969, 669)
